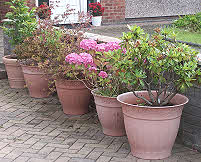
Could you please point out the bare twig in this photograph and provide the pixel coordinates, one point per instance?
(140, 97)
(149, 92)
(84, 82)
(169, 99)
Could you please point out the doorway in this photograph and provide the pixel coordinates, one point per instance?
(41, 2)
(60, 8)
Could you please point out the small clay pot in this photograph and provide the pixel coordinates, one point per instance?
(110, 114)
(151, 131)
(14, 72)
(36, 81)
(74, 96)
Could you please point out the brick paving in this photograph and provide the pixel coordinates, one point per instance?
(36, 130)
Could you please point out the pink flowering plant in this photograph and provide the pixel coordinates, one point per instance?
(100, 72)
(154, 64)
(76, 63)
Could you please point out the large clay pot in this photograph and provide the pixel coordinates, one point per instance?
(36, 81)
(110, 115)
(74, 96)
(151, 131)
(14, 72)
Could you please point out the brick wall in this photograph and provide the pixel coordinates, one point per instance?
(114, 10)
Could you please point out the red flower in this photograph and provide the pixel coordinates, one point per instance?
(43, 11)
(91, 4)
(42, 6)
(96, 9)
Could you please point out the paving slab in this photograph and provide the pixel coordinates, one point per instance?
(28, 132)
(115, 30)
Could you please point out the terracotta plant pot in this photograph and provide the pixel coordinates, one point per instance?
(151, 131)
(14, 72)
(36, 81)
(74, 96)
(110, 115)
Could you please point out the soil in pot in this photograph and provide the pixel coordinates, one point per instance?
(151, 131)
(74, 96)
(36, 81)
(110, 115)
(14, 72)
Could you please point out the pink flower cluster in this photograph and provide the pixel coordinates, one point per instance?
(87, 59)
(73, 58)
(100, 47)
(88, 44)
(103, 74)
(92, 68)
(82, 58)
(111, 46)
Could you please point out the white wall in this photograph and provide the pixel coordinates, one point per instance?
(154, 8)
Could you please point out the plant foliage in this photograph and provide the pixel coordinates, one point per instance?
(156, 64)
(189, 22)
(21, 21)
(97, 67)
(39, 49)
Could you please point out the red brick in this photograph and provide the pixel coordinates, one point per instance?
(114, 10)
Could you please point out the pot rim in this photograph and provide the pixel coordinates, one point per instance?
(95, 94)
(29, 66)
(32, 67)
(62, 79)
(8, 57)
(151, 107)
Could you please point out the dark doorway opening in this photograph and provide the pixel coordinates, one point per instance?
(41, 2)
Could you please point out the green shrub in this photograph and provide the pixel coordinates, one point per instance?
(38, 49)
(189, 22)
(21, 21)
(156, 64)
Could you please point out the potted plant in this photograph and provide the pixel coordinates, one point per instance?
(63, 68)
(156, 71)
(43, 11)
(106, 85)
(97, 11)
(34, 54)
(20, 24)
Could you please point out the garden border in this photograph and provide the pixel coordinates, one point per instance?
(188, 43)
